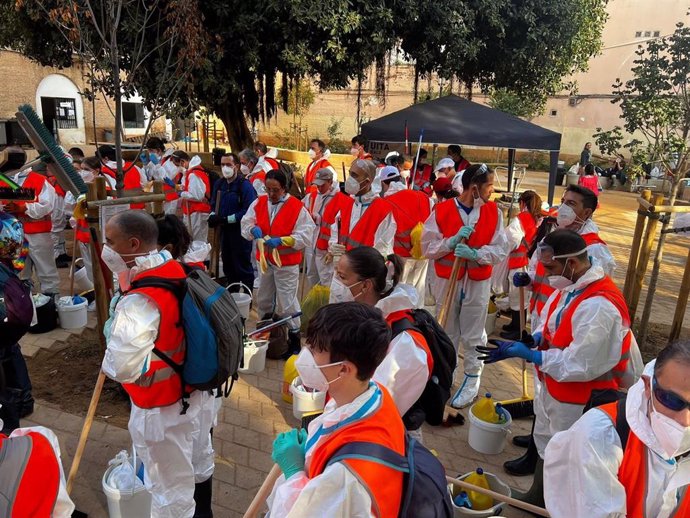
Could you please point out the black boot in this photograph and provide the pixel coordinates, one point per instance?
(514, 324)
(522, 441)
(526, 464)
(535, 494)
(202, 499)
(294, 344)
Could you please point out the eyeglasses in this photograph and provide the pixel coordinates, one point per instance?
(669, 399)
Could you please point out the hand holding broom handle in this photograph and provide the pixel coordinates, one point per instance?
(450, 291)
(264, 491)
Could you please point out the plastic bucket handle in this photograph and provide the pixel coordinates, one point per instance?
(242, 285)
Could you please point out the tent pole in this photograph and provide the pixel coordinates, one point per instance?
(552, 175)
(511, 168)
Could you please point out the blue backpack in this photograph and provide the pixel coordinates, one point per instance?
(425, 489)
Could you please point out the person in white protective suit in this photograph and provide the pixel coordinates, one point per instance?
(470, 228)
(369, 221)
(285, 228)
(158, 166)
(195, 194)
(345, 343)
(170, 433)
(584, 339)
(588, 471)
(410, 210)
(363, 275)
(35, 217)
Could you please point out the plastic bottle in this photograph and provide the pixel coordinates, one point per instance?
(463, 500)
(289, 374)
(479, 501)
(484, 409)
(501, 413)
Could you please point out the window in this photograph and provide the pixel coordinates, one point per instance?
(133, 115)
(657, 34)
(638, 34)
(553, 113)
(647, 34)
(65, 113)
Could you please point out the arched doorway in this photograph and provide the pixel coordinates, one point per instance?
(60, 105)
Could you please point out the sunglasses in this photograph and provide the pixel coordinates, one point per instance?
(669, 399)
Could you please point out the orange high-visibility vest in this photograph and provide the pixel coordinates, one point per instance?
(310, 173)
(161, 385)
(283, 225)
(579, 392)
(339, 203)
(633, 473)
(364, 232)
(449, 223)
(383, 426)
(541, 289)
(422, 180)
(30, 478)
(169, 191)
(189, 206)
(36, 182)
(518, 257)
(409, 208)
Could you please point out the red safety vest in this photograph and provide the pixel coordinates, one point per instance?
(190, 207)
(272, 163)
(462, 165)
(169, 191)
(541, 289)
(309, 175)
(422, 180)
(131, 184)
(409, 208)
(161, 385)
(579, 392)
(261, 176)
(81, 228)
(33, 181)
(383, 426)
(283, 225)
(449, 223)
(518, 257)
(339, 203)
(365, 230)
(417, 337)
(31, 476)
(633, 474)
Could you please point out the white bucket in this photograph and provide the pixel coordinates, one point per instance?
(126, 504)
(305, 402)
(243, 300)
(490, 324)
(74, 316)
(81, 278)
(495, 484)
(488, 438)
(571, 179)
(254, 356)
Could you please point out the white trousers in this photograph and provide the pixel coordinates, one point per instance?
(414, 274)
(197, 224)
(278, 293)
(466, 318)
(57, 217)
(42, 259)
(176, 451)
(551, 416)
(85, 250)
(318, 272)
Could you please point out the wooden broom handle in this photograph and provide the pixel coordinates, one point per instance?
(451, 290)
(498, 496)
(264, 491)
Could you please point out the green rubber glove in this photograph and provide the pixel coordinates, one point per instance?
(232, 219)
(288, 451)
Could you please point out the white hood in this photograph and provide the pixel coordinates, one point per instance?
(637, 412)
(394, 187)
(197, 252)
(403, 297)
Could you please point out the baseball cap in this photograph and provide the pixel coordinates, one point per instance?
(323, 175)
(444, 163)
(389, 173)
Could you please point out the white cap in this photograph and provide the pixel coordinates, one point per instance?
(389, 173)
(444, 163)
(391, 155)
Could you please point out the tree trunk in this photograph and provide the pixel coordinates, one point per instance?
(232, 115)
(468, 85)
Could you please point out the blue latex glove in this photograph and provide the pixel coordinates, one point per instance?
(504, 350)
(288, 451)
(169, 182)
(232, 219)
(464, 251)
(144, 157)
(256, 233)
(521, 279)
(274, 242)
(537, 339)
(153, 158)
(463, 233)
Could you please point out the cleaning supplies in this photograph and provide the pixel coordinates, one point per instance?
(463, 500)
(479, 501)
(485, 409)
(289, 374)
(501, 414)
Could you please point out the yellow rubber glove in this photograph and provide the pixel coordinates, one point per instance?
(263, 263)
(80, 208)
(276, 258)
(288, 241)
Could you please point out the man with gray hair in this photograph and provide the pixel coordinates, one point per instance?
(369, 221)
(252, 170)
(174, 444)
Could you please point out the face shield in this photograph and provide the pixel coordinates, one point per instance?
(546, 254)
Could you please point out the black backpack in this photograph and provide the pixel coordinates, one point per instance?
(432, 403)
(16, 307)
(425, 489)
(600, 397)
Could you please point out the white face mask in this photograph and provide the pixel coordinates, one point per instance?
(310, 373)
(86, 175)
(113, 260)
(673, 437)
(244, 169)
(354, 151)
(566, 216)
(340, 292)
(559, 282)
(477, 201)
(169, 167)
(352, 186)
(228, 171)
(312, 154)
(405, 173)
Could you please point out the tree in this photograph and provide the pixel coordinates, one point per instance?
(655, 103)
(515, 104)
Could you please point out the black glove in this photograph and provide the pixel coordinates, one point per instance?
(214, 220)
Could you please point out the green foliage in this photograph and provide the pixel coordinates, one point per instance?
(526, 107)
(297, 98)
(537, 161)
(335, 142)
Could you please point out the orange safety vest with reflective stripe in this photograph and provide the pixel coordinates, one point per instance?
(541, 289)
(81, 229)
(339, 203)
(382, 426)
(422, 180)
(36, 182)
(417, 337)
(364, 232)
(518, 257)
(449, 222)
(633, 474)
(160, 385)
(409, 208)
(310, 173)
(131, 184)
(579, 392)
(190, 207)
(273, 163)
(29, 476)
(282, 226)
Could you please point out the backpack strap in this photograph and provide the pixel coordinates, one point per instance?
(622, 426)
(402, 325)
(372, 452)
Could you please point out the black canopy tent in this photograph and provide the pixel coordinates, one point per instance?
(454, 120)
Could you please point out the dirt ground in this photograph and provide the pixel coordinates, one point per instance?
(66, 377)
